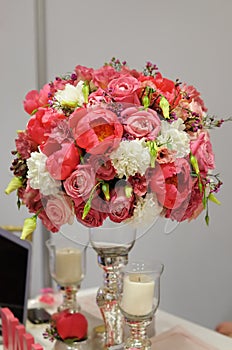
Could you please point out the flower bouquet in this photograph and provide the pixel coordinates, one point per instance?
(114, 143)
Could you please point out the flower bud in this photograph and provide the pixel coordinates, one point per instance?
(29, 227)
(14, 184)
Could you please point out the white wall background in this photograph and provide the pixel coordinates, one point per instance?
(189, 40)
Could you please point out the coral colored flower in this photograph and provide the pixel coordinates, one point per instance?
(35, 99)
(168, 89)
(103, 75)
(96, 130)
(39, 126)
(171, 182)
(61, 163)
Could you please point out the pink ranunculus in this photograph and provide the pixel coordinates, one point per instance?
(171, 182)
(35, 99)
(61, 163)
(83, 73)
(103, 75)
(120, 206)
(80, 182)
(141, 123)
(59, 209)
(138, 183)
(201, 148)
(103, 167)
(97, 130)
(40, 124)
(94, 218)
(124, 89)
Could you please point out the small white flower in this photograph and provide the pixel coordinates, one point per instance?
(131, 157)
(39, 177)
(174, 137)
(71, 96)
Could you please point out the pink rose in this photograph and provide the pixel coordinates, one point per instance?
(201, 148)
(59, 210)
(141, 123)
(94, 218)
(124, 89)
(83, 73)
(120, 206)
(103, 75)
(61, 163)
(97, 130)
(171, 182)
(80, 182)
(103, 167)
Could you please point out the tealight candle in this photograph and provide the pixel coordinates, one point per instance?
(68, 266)
(138, 294)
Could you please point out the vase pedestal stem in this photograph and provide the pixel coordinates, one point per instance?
(108, 296)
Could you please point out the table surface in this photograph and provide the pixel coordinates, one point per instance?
(164, 322)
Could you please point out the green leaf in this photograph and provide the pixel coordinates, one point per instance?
(87, 208)
(164, 105)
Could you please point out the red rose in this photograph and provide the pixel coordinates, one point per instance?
(97, 130)
(70, 325)
(94, 218)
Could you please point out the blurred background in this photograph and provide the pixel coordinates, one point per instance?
(189, 40)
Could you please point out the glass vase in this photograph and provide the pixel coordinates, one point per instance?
(112, 242)
(139, 301)
(67, 263)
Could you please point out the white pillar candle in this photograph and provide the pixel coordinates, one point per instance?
(68, 267)
(138, 294)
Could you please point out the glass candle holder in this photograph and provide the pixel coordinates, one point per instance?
(139, 300)
(67, 263)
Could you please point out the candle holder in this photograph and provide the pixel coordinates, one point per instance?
(67, 263)
(139, 301)
(112, 242)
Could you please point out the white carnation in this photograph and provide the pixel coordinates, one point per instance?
(71, 96)
(39, 177)
(174, 137)
(131, 157)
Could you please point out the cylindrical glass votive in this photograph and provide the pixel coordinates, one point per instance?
(139, 300)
